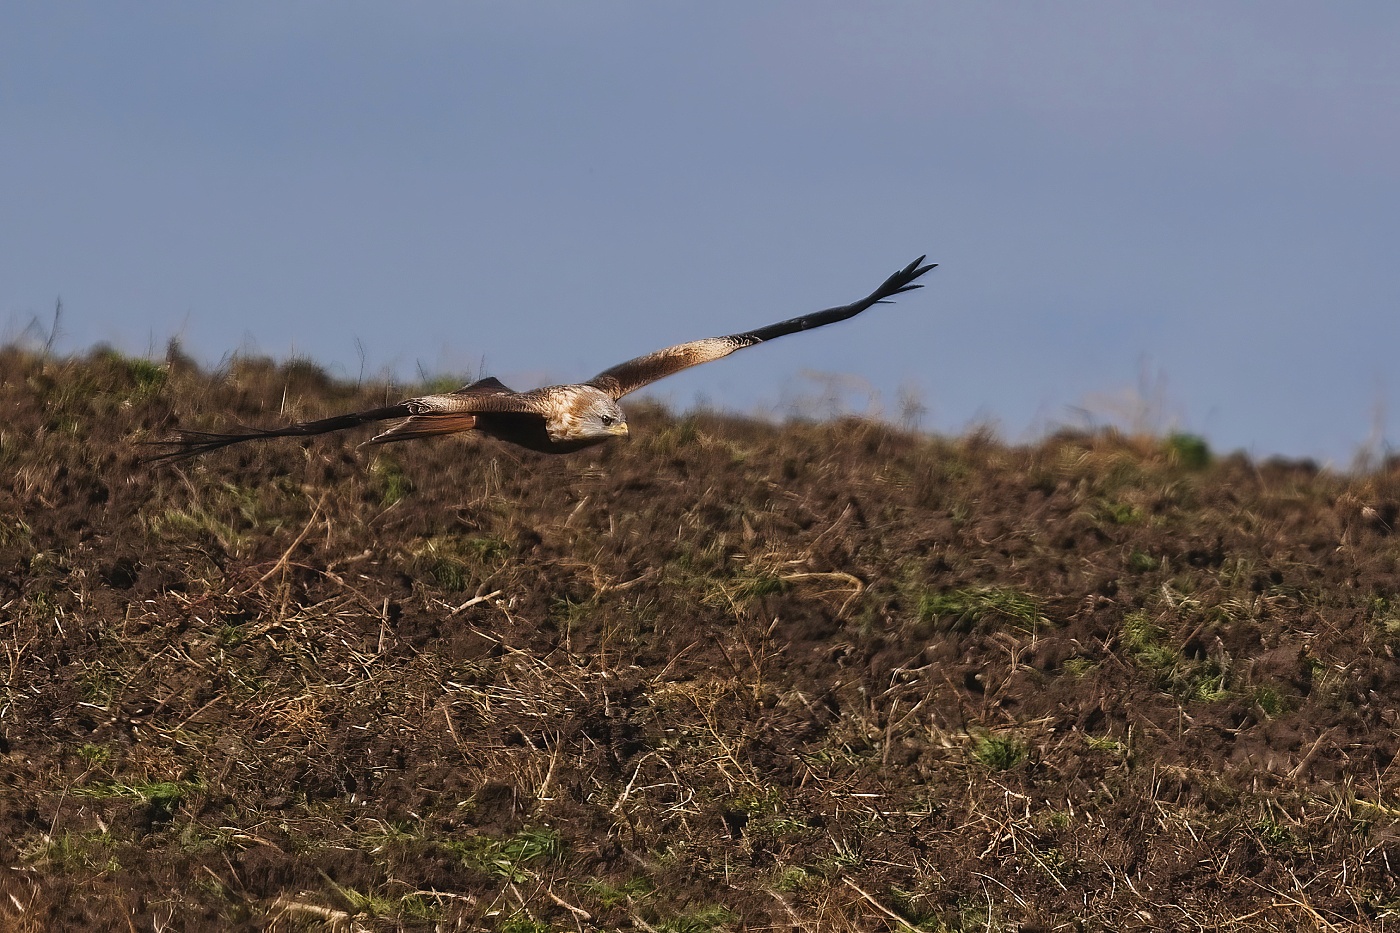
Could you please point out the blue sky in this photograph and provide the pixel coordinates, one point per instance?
(1182, 213)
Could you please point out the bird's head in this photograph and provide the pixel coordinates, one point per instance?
(590, 417)
(606, 418)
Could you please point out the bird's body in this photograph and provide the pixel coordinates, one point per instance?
(552, 419)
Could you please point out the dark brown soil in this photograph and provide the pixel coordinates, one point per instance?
(726, 676)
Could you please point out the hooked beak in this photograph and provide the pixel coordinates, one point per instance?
(619, 429)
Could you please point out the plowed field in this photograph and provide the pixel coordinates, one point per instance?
(726, 676)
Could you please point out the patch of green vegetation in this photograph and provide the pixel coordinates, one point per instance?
(1079, 667)
(1233, 610)
(212, 887)
(761, 584)
(618, 895)
(1000, 752)
(95, 756)
(227, 513)
(14, 531)
(394, 483)
(302, 373)
(1146, 643)
(1208, 680)
(97, 683)
(179, 523)
(72, 851)
(196, 837)
(795, 878)
(1119, 513)
(144, 377)
(1189, 451)
(1203, 678)
(231, 635)
(757, 802)
(243, 502)
(1271, 700)
(449, 574)
(1142, 562)
(1053, 861)
(968, 916)
(1106, 743)
(243, 684)
(454, 564)
(775, 826)
(963, 609)
(162, 797)
(1274, 835)
(148, 376)
(42, 606)
(393, 831)
(914, 908)
(507, 858)
(572, 615)
(700, 920)
(674, 437)
(523, 923)
(767, 815)
(1236, 572)
(416, 907)
(412, 906)
(441, 384)
(1385, 616)
(708, 558)
(487, 550)
(43, 562)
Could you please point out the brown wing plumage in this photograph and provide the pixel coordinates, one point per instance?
(463, 410)
(428, 415)
(644, 370)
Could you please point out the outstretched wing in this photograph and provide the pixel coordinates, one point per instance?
(425, 416)
(644, 370)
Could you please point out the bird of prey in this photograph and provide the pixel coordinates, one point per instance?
(553, 419)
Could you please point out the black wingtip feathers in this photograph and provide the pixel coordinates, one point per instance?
(903, 280)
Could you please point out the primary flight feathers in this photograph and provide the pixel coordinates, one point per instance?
(553, 419)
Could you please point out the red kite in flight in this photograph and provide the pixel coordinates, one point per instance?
(554, 419)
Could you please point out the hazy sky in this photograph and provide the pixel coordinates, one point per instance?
(1196, 205)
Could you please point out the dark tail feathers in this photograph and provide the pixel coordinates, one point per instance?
(194, 443)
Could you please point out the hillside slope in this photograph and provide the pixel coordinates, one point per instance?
(725, 676)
